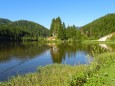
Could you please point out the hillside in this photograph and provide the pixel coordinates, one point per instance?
(99, 27)
(109, 37)
(19, 29)
(33, 28)
(112, 38)
(4, 21)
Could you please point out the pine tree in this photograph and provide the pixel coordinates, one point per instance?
(52, 27)
(61, 34)
(56, 28)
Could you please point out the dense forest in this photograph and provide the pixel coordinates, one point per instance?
(100, 27)
(58, 29)
(21, 30)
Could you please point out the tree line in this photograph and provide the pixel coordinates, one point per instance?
(59, 29)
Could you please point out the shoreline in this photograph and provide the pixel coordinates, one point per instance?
(72, 75)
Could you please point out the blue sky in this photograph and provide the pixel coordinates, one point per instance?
(77, 12)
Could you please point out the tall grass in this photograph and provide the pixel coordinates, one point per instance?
(50, 75)
(98, 73)
(105, 75)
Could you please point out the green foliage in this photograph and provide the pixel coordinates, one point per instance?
(71, 31)
(33, 28)
(11, 33)
(61, 33)
(99, 73)
(112, 38)
(100, 27)
(94, 30)
(74, 34)
(52, 31)
(49, 75)
(59, 30)
(79, 79)
(22, 29)
(105, 75)
(56, 25)
(4, 21)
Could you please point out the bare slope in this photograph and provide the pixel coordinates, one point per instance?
(110, 37)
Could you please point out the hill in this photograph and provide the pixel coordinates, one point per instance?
(113, 37)
(17, 30)
(33, 28)
(4, 21)
(100, 27)
(109, 37)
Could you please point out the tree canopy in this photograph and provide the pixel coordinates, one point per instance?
(58, 28)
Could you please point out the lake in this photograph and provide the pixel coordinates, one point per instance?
(25, 57)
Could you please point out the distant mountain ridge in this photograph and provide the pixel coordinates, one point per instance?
(100, 27)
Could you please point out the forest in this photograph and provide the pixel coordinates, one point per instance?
(58, 29)
(21, 30)
(100, 27)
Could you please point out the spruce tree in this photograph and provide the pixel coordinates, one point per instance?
(52, 27)
(58, 28)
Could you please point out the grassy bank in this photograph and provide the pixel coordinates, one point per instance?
(99, 73)
(97, 42)
(57, 74)
(105, 75)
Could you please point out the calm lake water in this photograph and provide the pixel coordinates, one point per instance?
(22, 58)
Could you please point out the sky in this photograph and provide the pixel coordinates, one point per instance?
(72, 12)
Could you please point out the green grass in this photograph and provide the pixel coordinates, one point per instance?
(97, 42)
(98, 73)
(105, 75)
(50, 75)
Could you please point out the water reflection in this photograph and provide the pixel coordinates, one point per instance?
(24, 57)
(20, 50)
(106, 46)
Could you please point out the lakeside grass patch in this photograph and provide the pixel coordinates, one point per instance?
(50, 75)
(98, 73)
(105, 75)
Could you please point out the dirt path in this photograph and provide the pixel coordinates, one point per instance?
(105, 37)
